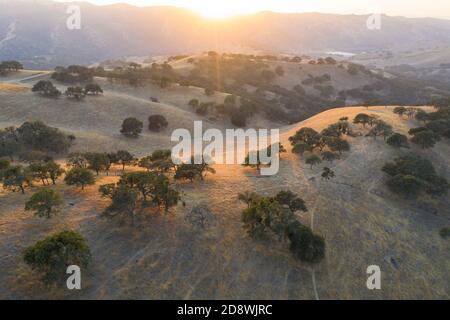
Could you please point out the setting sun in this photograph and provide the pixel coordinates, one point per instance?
(220, 10)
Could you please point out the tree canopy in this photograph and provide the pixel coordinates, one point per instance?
(52, 255)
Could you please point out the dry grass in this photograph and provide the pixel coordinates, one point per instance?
(12, 88)
(165, 258)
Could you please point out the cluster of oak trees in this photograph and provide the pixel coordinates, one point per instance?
(9, 66)
(135, 191)
(306, 140)
(435, 125)
(47, 89)
(412, 175)
(132, 127)
(268, 217)
(33, 140)
(237, 109)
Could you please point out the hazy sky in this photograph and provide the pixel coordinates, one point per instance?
(215, 8)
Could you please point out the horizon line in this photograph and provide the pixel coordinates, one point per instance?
(242, 14)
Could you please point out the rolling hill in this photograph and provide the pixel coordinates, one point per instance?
(362, 221)
(37, 35)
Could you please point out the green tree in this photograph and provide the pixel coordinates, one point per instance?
(422, 116)
(52, 255)
(44, 203)
(38, 136)
(398, 140)
(258, 217)
(125, 158)
(437, 186)
(164, 196)
(93, 88)
(157, 122)
(160, 160)
(144, 182)
(76, 93)
(307, 135)
(304, 244)
(329, 156)
(131, 127)
(426, 139)
(338, 144)
(17, 178)
(406, 185)
(192, 170)
(77, 159)
(290, 199)
(46, 89)
(400, 110)
(124, 199)
(362, 118)
(39, 171)
(97, 161)
(300, 148)
(412, 174)
(380, 128)
(79, 177)
(312, 159)
(9, 142)
(54, 171)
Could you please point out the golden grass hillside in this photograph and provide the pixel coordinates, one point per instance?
(362, 222)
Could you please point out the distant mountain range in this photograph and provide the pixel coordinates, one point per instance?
(35, 33)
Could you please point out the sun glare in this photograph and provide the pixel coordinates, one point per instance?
(219, 10)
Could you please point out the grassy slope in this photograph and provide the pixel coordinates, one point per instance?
(164, 258)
